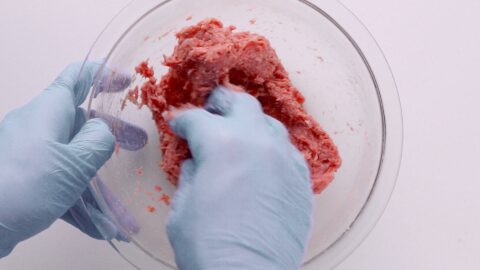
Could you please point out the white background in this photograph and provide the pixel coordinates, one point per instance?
(433, 46)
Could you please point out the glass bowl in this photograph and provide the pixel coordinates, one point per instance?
(334, 62)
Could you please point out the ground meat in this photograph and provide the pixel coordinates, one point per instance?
(209, 54)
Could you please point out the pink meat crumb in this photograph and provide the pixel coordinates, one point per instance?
(158, 188)
(165, 198)
(139, 171)
(151, 209)
(117, 149)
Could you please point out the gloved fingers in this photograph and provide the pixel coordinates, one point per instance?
(93, 223)
(128, 136)
(88, 218)
(93, 145)
(220, 101)
(277, 127)
(186, 123)
(301, 163)
(79, 219)
(77, 162)
(195, 126)
(52, 114)
(187, 171)
(185, 181)
(112, 81)
(229, 103)
(80, 119)
(73, 165)
(123, 217)
(76, 79)
(104, 225)
(179, 199)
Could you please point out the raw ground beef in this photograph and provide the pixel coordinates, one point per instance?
(209, 54)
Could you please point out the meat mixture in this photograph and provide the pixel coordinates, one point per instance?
(209, 54)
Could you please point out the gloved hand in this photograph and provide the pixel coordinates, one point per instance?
(48, 154)
(244, 200)
(86, 214)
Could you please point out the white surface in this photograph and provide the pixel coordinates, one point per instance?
(433, 48)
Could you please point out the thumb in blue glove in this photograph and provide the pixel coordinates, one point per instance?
(45, 165)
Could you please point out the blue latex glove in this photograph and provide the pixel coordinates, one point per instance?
(244, 200)
(86, 214)
(48, 154)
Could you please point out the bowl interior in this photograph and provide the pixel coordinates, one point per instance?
(323, 64)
